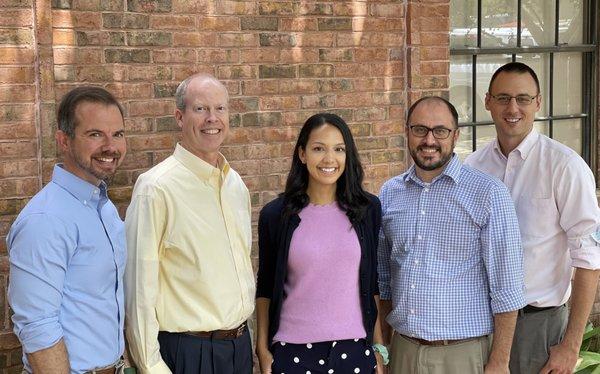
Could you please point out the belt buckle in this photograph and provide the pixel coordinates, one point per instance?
(240, 330)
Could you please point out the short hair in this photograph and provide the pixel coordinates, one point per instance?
(516, 67)
(182, 88)
(448, 104)
(66, 118)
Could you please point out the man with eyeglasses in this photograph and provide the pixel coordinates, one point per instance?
(449, 256)
(554, 194)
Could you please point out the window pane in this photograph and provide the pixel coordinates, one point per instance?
(499, 23)
(540, 63)
(460, 86)
(570, 23)
(485, 134)
(568, 132)
(486, 66)
(567, 78)
(464, 145)
(537, 22)
(543, 127)
(463, 24)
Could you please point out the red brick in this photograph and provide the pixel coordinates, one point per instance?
(12, 55)
(63, 37)
(236, 7)
(435, 53)
(378, 24)
(73, 19)
(434, 68)
(194, 39)
(434, 24)
(298, 86)
(151, 108)
(183, 71)
(388, 10)
(15, 113)
(17, 93)
(174, 55)
(101, 73)
(151, 141)
(352, 98)
(218, 56)
(21, 74)
(241, 135)
(19, 187)
(318, 101)
(298, 24)
(18, 150)
(149, 73)
(64, 55)
(279, 134)
(237, 40)
(278, 165)
(299, 55)
(172, 22)
(315, 39)
(353, 8)
(268, 87)
(222, 23)
(17, 131)
(370, 114)
(14, 17)
(264, 54)
(16, 36)
(391, 127)
(435, 10)
(434, 38)
(371, 54)
(237, 72)
(18, 168)
(279, 102)
(191, 7)
(130, 90)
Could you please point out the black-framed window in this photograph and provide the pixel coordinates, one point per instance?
(557, 38)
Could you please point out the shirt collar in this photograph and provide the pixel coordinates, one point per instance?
(83, 190)
(524, 148)
(452, 170)
(198, 166)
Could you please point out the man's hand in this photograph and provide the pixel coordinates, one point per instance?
(265, 359)
(562, 360)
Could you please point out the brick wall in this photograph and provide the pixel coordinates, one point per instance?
(282, 61)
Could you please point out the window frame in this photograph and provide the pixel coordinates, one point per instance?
(589, 53)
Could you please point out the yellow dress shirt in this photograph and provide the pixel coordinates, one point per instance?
(188, 264)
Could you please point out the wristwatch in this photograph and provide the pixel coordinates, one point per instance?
(383, 351)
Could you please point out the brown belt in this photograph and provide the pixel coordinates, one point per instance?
(437, 343)
(220, 334)
(112, 370)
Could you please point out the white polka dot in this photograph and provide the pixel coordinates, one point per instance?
(357, 370)
(330, 371)
(344, 356)
(321, 362)
(309, 346)
(367, 352)
(282, 343)
(355, 340)
(333, 344)
(296, 359)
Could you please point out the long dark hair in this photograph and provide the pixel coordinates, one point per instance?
(350, 195)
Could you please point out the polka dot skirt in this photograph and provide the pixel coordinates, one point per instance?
(342, 357)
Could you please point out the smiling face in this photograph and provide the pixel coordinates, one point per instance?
(513, 122)
(205, 119)
(324, 157)
(98, 145)
(430, 154)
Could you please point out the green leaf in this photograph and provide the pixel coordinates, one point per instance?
(587, 359)
(591, 333)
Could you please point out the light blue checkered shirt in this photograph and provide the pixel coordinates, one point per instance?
(449, 254)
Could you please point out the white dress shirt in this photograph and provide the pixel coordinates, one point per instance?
(555, 197)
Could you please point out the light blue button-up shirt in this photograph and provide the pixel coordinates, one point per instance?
(449, 253)
(67, 258)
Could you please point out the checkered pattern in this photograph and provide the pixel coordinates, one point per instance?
(449, 254)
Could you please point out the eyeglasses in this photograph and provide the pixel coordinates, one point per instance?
(522, 100)
(439, 132)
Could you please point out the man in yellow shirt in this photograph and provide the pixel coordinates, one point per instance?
(189, 283)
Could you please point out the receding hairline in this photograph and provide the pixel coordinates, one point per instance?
(203, 78)
(433, 100)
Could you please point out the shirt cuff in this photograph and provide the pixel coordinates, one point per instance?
(40, 336)
(159, 368)
(507, 300)
(587, 256)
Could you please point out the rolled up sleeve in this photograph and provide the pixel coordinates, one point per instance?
(40, 247)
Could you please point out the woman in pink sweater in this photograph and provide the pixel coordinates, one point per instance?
(317, 291)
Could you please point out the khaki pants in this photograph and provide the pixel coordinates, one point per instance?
(409, 357)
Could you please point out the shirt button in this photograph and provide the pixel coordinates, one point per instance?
(412, 311)
(419, 237)
(426, 189)
(416, 262)
(412, 286)
(422, 212)
(96, 191)
(84, 202)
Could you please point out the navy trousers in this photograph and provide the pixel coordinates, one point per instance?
(188, 354)
(341, 357)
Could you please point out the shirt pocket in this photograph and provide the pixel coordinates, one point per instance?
(537, 215)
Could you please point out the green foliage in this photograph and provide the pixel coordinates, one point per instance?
(589, 356)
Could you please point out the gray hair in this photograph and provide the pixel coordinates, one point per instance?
(182, 88)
